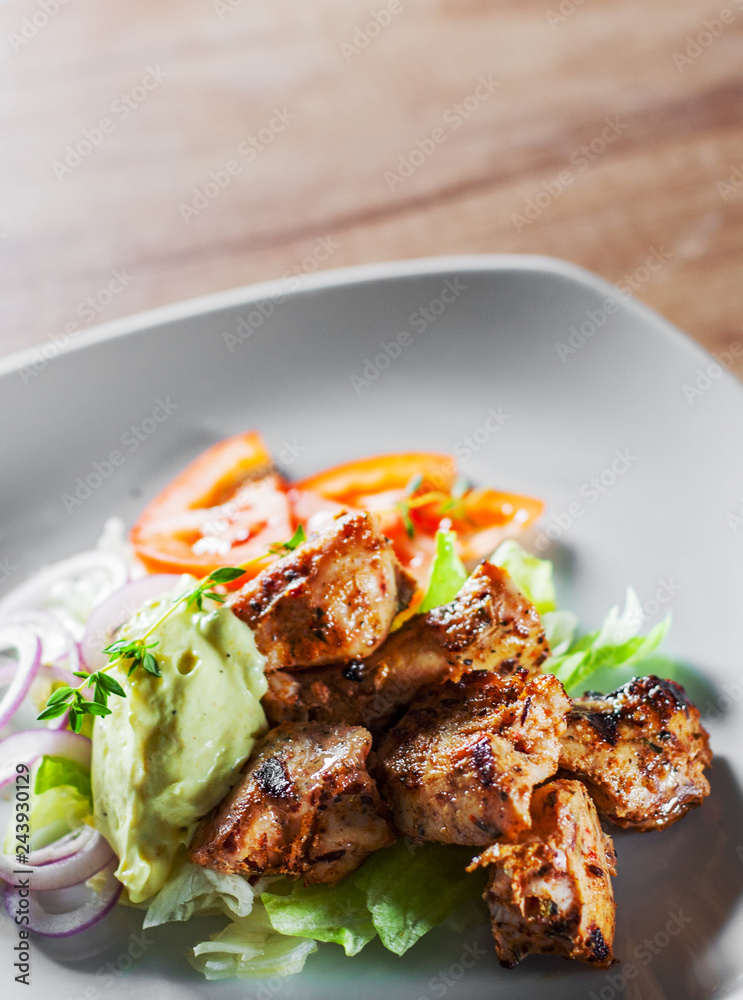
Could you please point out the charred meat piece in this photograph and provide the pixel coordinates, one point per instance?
(461, 764)
(332, 598)
(641, 752)
(550, 892)
(305, 806)
(489, 625)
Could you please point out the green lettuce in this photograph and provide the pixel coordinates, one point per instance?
(447, 573)
(196, 891)
(55, 771)
(533, 576)
(250, 948)
(615, 645)
(399, 894)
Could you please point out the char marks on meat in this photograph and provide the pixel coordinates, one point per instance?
(641, 751)
(461, 764)
(304, 806)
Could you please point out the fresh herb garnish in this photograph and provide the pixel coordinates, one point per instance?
(132, 655)
(405, 504)
(281, 548)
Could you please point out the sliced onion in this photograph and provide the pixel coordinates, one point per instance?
(60, 849)
(58, 925)
(34, 593)
(27, 746)
(106, 618)
(57, 642)
(28, 647)
(93, 852)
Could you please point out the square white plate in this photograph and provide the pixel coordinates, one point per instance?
(479, 334)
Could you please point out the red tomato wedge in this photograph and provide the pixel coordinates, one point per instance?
(225, 509)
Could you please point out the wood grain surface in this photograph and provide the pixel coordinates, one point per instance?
(154, 151)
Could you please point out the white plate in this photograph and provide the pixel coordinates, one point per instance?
(660, 521)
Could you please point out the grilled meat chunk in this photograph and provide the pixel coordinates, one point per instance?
(461, 764)
(550, 892)
(305, 806)
(489, 625)
(641, 752)
(333, 598)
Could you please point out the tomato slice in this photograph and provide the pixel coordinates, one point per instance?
(225, 509)
(354, 483)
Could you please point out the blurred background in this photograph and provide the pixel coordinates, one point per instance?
(156, 151)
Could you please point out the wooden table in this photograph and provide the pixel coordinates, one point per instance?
(154, 150)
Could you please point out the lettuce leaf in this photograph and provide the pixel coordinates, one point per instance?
(55, 771)
(533, 576)
(399, 893)
(410, 889)
(195, 891)
(250, 948)
(447, 573)
(615, 645)
(335, 913)
(55, 813)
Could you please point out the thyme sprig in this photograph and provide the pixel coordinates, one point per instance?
(132, 654)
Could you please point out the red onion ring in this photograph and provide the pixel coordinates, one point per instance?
(43, 622)
(107, 617)
(25, 747)
(60, 849)
(92, 854)
(34, 592)
(28, 647)
(59, 925)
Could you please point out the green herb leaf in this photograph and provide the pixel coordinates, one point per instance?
(281, 548)
(226, 574)
(62, 694)
(53, 712)
(150, 664)
(110, 684)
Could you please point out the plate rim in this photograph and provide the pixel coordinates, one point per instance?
(360, 274)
